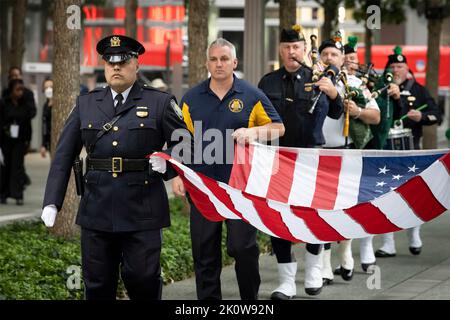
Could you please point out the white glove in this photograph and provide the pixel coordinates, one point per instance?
(2, 159)
(49, 215)
(158, 164)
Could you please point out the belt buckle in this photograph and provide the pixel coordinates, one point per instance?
(107, 126)
(116, 162)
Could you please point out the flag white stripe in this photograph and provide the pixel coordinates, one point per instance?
(437, 178)
(193, 177)
(343, 223)
(304, 180)
(261, 171)
(349, 180)
(397, 210)
(296, 225)
(246, 208)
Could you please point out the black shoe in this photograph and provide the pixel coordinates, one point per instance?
(365, 266)
(347, 275)
(327, 282)
(313, 291)
(277, 295)
(19, 202)
(337, 271)
(383, 254)
(3, 200)
(415, 251)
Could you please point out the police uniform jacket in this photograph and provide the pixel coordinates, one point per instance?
(430, 115)
(126, 201)
(303, 129)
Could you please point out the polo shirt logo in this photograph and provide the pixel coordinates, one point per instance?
(236, 105)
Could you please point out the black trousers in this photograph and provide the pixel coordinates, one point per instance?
(135, 254)
(282, 249)
(206, 250)
(13, 173)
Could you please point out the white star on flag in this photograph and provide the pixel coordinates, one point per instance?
(381, 184)
(383, 170)
(396, 177)
(413, 169)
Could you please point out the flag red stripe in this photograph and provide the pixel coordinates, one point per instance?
(327, 182)
(221, 194)
(371, 218)
(271, 218)
(201, 201)
(282, 176)
(446, 162)
(322, 230)
(242, 165)
(420, 199)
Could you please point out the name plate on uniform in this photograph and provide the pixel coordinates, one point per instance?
(142, 112)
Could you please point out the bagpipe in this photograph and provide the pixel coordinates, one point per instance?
(353, 127)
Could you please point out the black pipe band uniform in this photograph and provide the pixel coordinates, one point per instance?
(411, 88)
(124, 206)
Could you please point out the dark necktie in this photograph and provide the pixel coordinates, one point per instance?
(119, 99)
(289, 90)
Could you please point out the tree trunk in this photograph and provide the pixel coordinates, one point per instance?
(287, 13)
(66, 79)
(130, 18)
(4, 43)
(198, 40)
(18, 33)
(432, 74)
(367, 45)
(330, 9)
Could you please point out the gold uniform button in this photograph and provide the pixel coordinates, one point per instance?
(141, 125)
(115, 143)
(146, 182)
(114, 175)
(89, 125)
(115, 128)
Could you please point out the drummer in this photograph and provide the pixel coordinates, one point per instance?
(408, 95)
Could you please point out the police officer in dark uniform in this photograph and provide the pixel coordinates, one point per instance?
(408, 95)
(125, 205)
(286, 90)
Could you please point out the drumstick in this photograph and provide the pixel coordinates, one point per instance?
(397, 122)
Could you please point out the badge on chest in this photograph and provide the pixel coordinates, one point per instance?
(142, 112)
(236, 105)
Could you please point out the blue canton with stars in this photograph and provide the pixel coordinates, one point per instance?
(383, 174)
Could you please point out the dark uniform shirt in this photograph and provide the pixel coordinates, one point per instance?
(126, 201)
(244, 106)
(293, 101)
(430, 115)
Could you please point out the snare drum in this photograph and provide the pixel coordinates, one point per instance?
(399, 139)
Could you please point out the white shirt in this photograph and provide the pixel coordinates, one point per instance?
(333, 129)
(124, 95)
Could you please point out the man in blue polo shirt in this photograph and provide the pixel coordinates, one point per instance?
(241, 112)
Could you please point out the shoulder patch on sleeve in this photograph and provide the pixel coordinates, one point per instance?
(176, 109)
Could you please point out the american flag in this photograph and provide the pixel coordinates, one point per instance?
(318, 195)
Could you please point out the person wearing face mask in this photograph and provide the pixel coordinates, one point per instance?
(47, 116)
(15, 115)
(408, 95)
(28, 99)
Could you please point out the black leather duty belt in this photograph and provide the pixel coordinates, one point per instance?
(117, 164)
